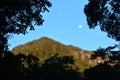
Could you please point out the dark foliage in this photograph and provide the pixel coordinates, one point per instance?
(16, 16)
(59, 68)
(55, 68)
(109, 52)
(106, 14)
(8, 67)
(12, 67)
(102, 72)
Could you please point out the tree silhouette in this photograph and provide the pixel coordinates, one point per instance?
(27, 67)
(109, 69)
(59, 68)
(19, 67)
(106, 14)
(102, 72)
(17, 16)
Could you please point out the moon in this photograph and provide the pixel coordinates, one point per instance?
(80, 26)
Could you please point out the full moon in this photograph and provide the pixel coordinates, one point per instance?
(80, 26)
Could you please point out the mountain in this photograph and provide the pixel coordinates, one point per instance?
(45, 48)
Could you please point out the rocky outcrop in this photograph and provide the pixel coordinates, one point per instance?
(87, 57)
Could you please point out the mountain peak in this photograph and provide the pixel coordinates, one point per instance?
(45, 38)
(46, 47)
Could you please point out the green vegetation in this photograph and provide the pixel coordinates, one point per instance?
(45, 48)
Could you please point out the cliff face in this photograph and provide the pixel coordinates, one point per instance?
(86, 56)
(46, 47)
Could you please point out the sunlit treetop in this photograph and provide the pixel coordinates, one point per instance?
(106, 14)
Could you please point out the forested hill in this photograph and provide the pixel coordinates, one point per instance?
(45, 48)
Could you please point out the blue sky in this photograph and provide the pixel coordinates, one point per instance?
(66, 23)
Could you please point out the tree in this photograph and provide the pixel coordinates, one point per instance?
(17, 16)
(106, 14)
(60, 68)
(102, 72)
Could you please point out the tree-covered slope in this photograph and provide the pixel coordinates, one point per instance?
(45, 48)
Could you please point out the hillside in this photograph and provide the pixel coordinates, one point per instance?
(45, 48)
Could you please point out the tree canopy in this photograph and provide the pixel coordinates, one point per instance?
(106, 14)
(17, 16)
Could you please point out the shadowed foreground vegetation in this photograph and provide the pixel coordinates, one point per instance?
(102, 72)
(22, 67)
